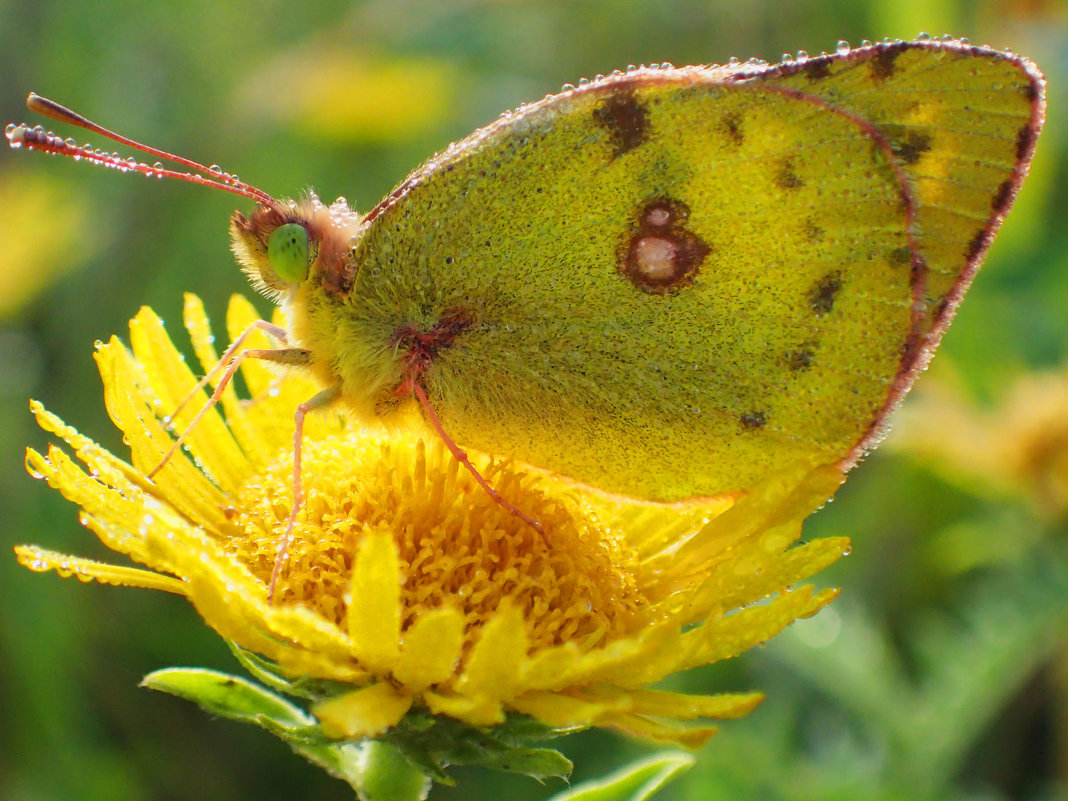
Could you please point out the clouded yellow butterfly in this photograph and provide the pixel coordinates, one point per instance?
(666, 283)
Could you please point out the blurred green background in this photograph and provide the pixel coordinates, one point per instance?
(942, 672)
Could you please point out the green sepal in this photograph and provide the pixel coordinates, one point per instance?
(388, 775)
(267, 672)
(435, 742)
(635, 782)
(428, 743)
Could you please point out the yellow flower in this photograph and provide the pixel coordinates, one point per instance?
(1019, 444)
(407, 588)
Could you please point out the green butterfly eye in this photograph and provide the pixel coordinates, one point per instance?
(287, 251)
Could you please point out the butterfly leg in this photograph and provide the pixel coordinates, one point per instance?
(272, 330)
(321, 400)
(296, 357)
(460, 455)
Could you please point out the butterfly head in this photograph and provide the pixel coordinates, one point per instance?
(285, 244)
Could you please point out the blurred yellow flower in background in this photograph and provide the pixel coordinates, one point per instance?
(43, 224)
(1017, 445)
(348, 95)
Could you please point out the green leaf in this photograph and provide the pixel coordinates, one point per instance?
(525, 730)
(636, 782)
(228, 696)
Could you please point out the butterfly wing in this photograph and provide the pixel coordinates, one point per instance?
(678, 282)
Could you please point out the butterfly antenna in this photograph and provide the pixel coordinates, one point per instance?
(37, 138)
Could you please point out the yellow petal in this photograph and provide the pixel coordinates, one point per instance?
(41, 560)
(199, 328)
(240, 314)
(729, 636)
(655, 528)
(624, 662)
(210, 440)
(680, 706)
(128, 506)
(494, 666)
(733, 585)
(668, 650)
(785, 499)
(477, 711)
(180, 482)
(557, 709)
(106, 466)
(431, 648)
(660, 731)
(552, 667)
(374, 613)
(364, 712)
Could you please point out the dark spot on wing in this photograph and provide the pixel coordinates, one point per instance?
(901, 255)
(813, 233)
(786, 177)
(913, 145)
(821, 297)
(1002, 198)
(1025, 139)
(801, 359)
(753, 419)
(625, 119)
(659, 254)
(882, 66)
(733, 123)
(977, 244)
(818, 69)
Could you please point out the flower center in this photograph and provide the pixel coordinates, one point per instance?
(575, 582)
